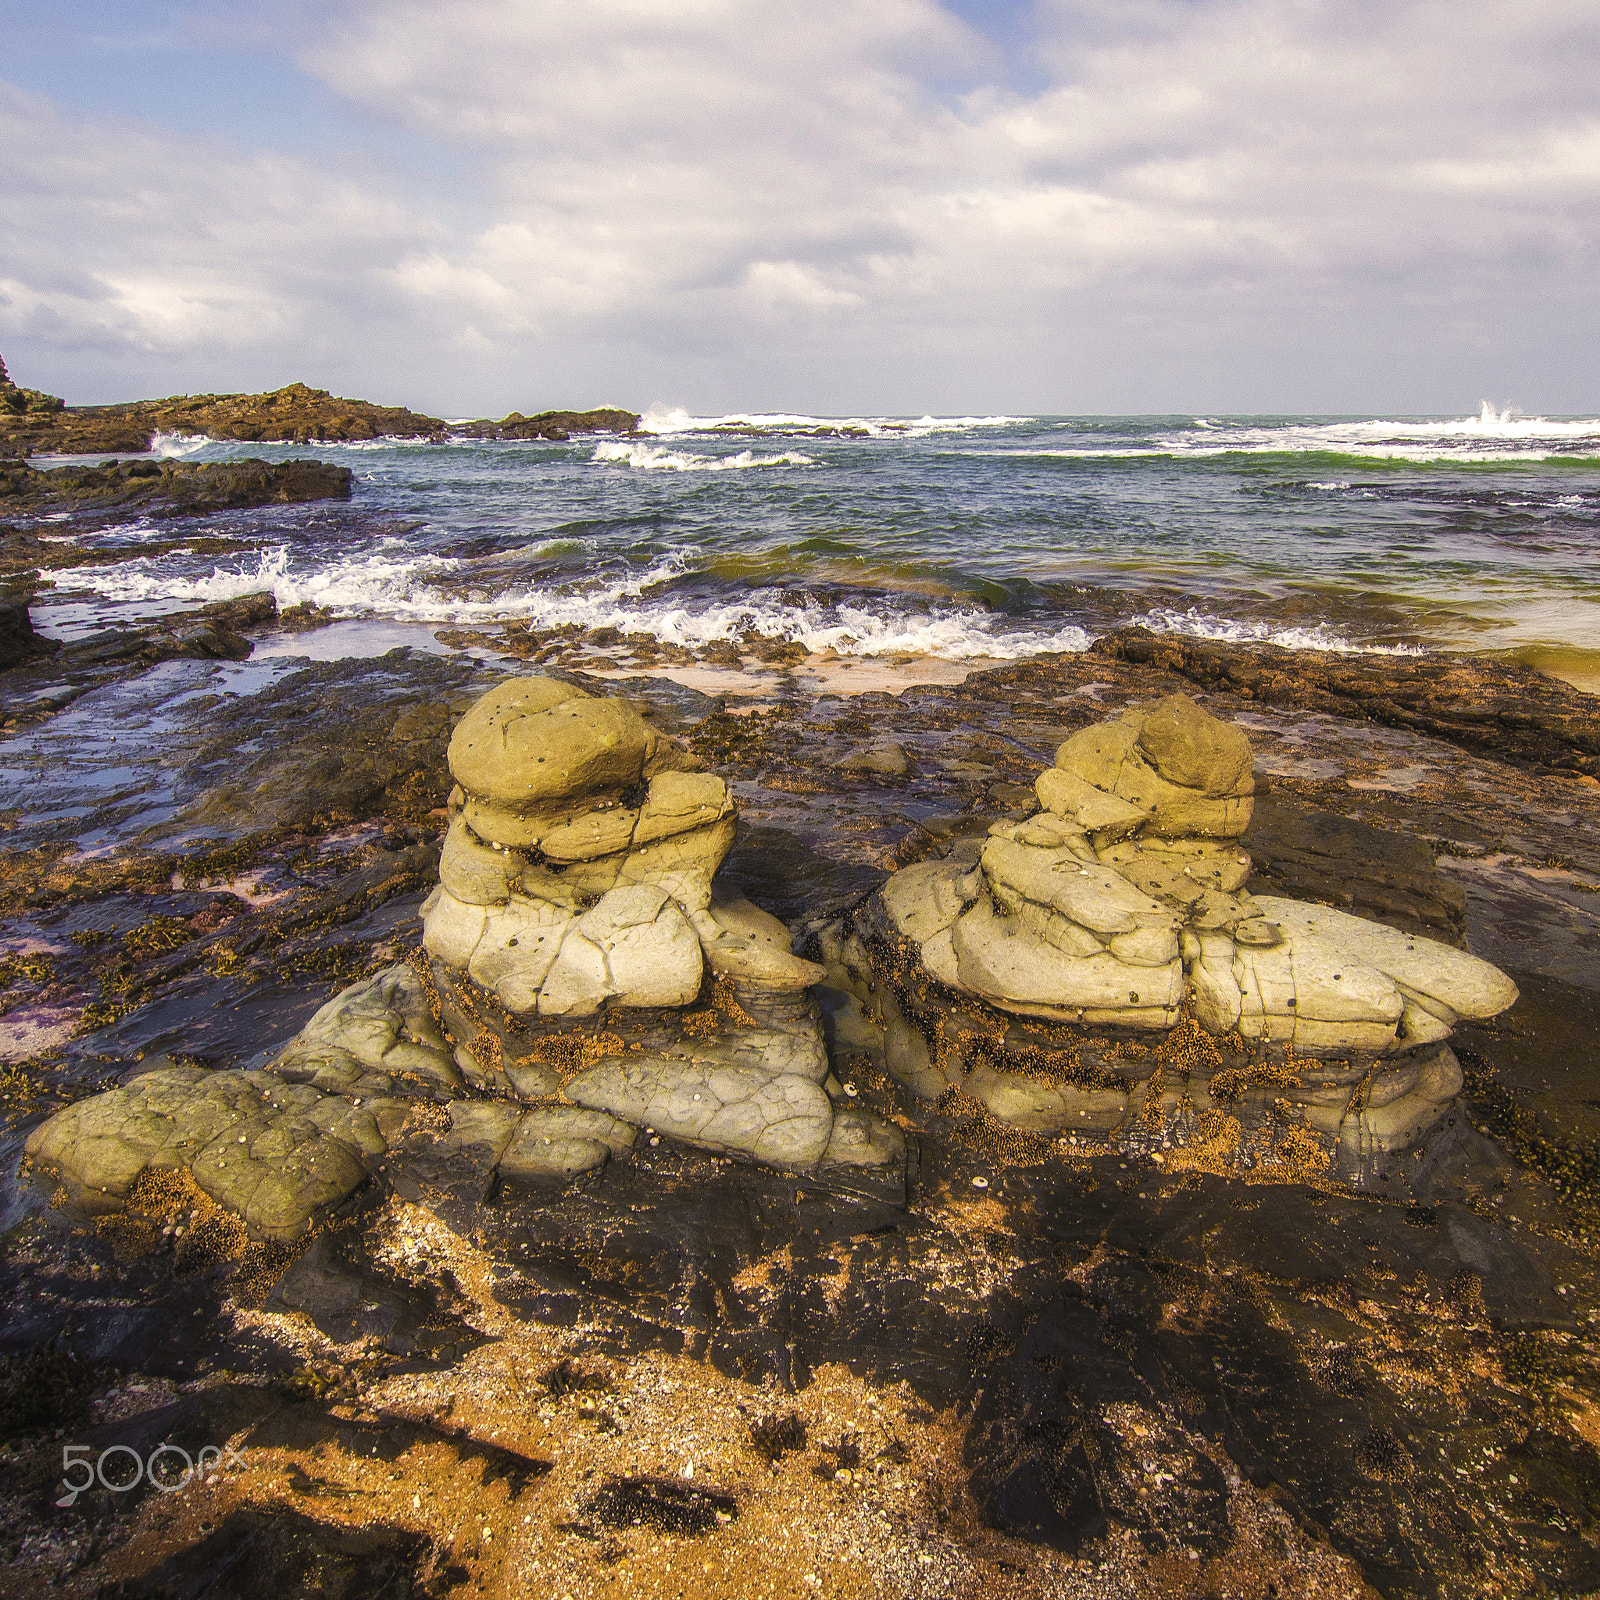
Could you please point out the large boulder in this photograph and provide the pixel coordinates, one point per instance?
(278, 1155)
(577, 868)
(1121, 910)
(1187, 774)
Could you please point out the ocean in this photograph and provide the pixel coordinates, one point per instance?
(955, 539)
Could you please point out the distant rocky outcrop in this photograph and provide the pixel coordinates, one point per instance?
(32, 423)
(296, 414)
(24, 406)
(556, 425)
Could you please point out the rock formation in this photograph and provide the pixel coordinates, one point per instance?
(1119, 909)
(18, 402)
(168, 488)
(296, 414)
(577, 955)
(556, 426)
(1094, 966)
(33, 423)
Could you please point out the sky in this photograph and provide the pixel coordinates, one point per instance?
(974, 207)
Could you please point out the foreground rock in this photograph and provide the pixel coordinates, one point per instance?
(575, 884)
(1064, 1366)
(1021, 976)
(168, 488)
(1120, 905)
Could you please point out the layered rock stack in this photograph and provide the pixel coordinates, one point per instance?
(578, 868)
(1095, 967)
(582, 977)
(1119, 911)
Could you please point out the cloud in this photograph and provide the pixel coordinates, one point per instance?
(126, 244)
(1245, 202)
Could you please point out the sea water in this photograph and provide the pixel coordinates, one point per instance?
(962, 538)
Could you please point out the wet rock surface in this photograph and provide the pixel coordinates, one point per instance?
(1513, 713)
(1048, 1368)
(167, 488)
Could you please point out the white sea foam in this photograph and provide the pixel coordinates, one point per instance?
(673, 420)
(408, 590)
(1491, 436)
(375, 582)
(386, 584)
(1199, 625)
(1491, 423)
(656, 458)
(174, 446)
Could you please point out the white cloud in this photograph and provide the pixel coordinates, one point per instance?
(786, 285)
(1219, 202)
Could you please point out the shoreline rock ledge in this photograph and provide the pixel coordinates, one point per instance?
(582, 977)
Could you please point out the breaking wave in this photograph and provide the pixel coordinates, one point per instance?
(674, 420)
(410, 590)
(175, 446)
(655, 458)
(1199, 625)
(416, 589)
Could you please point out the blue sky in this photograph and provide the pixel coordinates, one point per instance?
(1065, 205)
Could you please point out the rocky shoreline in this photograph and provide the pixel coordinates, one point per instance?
(165, 489)
(37, 424)
(579, 1114)
(1114, 1365)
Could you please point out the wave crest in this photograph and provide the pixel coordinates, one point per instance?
(656, 458)
(1319, 636)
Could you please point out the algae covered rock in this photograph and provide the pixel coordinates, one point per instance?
(575, 893)
(279, 1155)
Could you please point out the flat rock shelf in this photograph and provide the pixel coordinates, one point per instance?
(1091, 1129)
